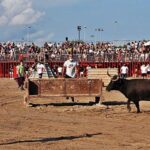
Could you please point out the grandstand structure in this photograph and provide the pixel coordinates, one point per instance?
(100, 55)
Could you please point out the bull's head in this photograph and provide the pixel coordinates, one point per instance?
(115, 83)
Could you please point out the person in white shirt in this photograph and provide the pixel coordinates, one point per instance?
(144, 71)
(124, 71)
(148, 70)
(70, 70)
(40, 69)
(59, 70)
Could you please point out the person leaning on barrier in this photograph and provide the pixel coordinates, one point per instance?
(70, 70)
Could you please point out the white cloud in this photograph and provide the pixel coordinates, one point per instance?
(18, 12)
(28, 16)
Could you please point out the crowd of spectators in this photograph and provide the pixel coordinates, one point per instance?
(95, 52)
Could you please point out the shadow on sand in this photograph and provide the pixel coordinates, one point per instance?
(64, 104)
(111, 103)
(51, 139)
(106, 103)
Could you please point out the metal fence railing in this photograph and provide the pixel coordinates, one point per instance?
(90, 57)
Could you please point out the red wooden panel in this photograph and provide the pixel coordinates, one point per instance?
(53, 87)
(65, 87)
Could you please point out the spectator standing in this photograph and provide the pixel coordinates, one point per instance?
(88, 67)
(143, 71)
(148, 70)
(135, 72)
(40, 69)
(26, 68)
(124, 71)
(34, 68)
(59, 70)
(21, 75)
(11, 72)
(82, 71)
(70, 70)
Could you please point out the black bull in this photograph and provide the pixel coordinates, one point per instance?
(135, 90)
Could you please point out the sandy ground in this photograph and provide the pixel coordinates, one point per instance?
(59, 124)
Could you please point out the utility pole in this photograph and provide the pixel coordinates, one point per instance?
(79, 30)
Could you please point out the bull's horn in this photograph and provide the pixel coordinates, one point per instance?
(109, 73)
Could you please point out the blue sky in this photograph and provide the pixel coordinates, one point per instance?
(53, 20)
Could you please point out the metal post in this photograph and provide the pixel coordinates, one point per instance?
(100, 30)
(84, 32)
(29, 33)
(79, 29)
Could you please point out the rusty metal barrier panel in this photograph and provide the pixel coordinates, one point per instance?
(63, 88)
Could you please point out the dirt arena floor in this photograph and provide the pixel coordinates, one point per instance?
(59, 124)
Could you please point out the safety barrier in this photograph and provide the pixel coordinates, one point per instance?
(134, 67)
(5, 68)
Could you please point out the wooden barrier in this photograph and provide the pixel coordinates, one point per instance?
(41, 88)
(101, 73)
